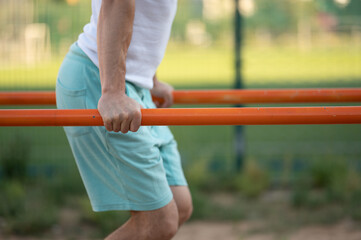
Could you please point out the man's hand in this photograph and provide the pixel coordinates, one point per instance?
(119, 112)
(164, 91)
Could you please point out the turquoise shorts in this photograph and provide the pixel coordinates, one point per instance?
(131, 171)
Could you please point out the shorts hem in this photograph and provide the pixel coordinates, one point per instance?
(134, 206)
(177, 182)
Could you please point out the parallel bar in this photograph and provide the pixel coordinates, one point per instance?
(249, 96)
(28, 98)
(197, 116)
(216, 96)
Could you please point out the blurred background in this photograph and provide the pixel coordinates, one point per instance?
(293, 177)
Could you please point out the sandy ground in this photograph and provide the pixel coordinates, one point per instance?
(201, 230)
(344, 230)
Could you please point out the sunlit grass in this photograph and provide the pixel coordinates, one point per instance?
(196, 66)
(42, 75)
(187, 66)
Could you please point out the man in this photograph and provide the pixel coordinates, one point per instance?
(124, 166)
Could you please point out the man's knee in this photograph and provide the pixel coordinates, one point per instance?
(183, 200)
(158, 224)
(166, 228)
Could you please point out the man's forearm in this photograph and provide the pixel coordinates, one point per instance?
(115, 28)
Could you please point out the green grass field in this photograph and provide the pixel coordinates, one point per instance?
(185, 66)
(202, 67)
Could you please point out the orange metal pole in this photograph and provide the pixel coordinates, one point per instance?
(197, 116)
(28, 98)
(247, 96)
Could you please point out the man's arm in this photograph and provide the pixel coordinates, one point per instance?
(115, 28)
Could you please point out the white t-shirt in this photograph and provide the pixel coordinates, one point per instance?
(151, 30)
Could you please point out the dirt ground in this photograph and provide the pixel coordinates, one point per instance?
(344, 230)
(202, 230)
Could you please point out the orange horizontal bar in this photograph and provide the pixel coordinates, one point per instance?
(245, 96)
(195, 116)
(248, 96)
(28, 98)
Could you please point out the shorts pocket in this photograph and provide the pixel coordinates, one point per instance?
(131, 91)
(71, 99)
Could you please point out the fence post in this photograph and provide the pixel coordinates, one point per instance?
(239, 141)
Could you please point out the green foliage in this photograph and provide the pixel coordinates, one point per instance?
(26, 208)
(253, 180)
(198, 174)
(35, 219)
(14, 158)
(59, 188)
(277, 16)
(353, 8)
(327, 182)
(207, 208)
(65, 22)
(210, 174)
(105, 222)
(187, 10)
(12, 199)
(354, 208)
(25, 211)
(201, 204)
(325, 173)
(220, 31)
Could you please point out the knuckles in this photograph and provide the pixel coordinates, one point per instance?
(123, 120)
(134, 129)
(117, 118)
(135, 114)
(108, 126)
(125, 116)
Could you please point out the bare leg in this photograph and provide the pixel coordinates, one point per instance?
(183, 199)
(160, 224)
